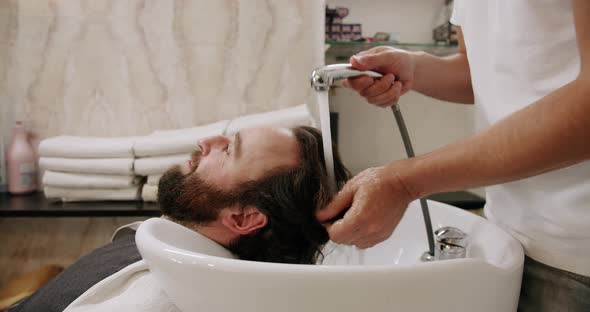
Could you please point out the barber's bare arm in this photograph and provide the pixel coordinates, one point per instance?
(549, 134)
(446, 78)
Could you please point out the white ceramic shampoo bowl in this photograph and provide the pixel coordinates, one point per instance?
(387, 277)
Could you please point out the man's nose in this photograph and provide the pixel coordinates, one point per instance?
(212, 143)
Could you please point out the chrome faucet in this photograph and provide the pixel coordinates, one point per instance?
(451, 243)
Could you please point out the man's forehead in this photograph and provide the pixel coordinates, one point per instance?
(254, 152)
(269, 131)
(276, 143)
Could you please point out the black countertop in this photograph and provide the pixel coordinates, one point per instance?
(36, 205)
(461, 199)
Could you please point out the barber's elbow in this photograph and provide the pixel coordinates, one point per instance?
(583, 79)
(582, 90)
(468, 97)
(465, 93)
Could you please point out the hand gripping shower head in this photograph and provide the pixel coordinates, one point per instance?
(325, 77)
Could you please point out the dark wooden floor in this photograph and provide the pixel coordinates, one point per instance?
(27, 244)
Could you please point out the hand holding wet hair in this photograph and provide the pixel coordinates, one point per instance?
(376, 201)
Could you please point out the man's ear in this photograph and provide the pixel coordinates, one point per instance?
(243, 221)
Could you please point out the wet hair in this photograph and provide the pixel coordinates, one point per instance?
(289, 196)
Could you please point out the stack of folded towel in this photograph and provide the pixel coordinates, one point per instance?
(93, 168)
(88, 168)
(165, 148)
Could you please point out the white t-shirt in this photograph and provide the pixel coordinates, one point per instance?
(519, 51)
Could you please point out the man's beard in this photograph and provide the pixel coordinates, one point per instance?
(189, 197)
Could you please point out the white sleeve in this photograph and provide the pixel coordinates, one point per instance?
(458, 13)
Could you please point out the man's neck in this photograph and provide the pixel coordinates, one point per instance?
(214, 231)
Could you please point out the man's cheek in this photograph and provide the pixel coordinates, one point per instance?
(207, 168)
(223, 180)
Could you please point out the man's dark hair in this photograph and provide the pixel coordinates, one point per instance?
(288, 196)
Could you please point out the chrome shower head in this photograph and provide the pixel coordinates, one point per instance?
(325, 77)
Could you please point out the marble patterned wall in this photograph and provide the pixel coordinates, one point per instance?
(127, 67)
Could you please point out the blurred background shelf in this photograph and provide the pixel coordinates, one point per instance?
(340, 51)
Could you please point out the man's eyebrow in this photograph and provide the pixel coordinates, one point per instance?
(237, 145)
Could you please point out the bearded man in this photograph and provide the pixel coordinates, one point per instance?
(255, 193)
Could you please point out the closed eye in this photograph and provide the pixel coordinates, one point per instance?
(233, 145)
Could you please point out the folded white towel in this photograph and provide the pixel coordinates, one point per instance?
(158, 165)
(120, 166)
(88, 181)
(169, 142)
(149, 193)
(70, 194)
(154, 179)
(289, 117)
(87, 147)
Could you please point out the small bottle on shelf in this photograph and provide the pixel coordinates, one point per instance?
(3, 174)
(21, 163)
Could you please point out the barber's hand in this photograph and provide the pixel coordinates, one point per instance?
(398, 69)
(377, 201)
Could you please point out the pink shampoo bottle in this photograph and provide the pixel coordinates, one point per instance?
(22, 172)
